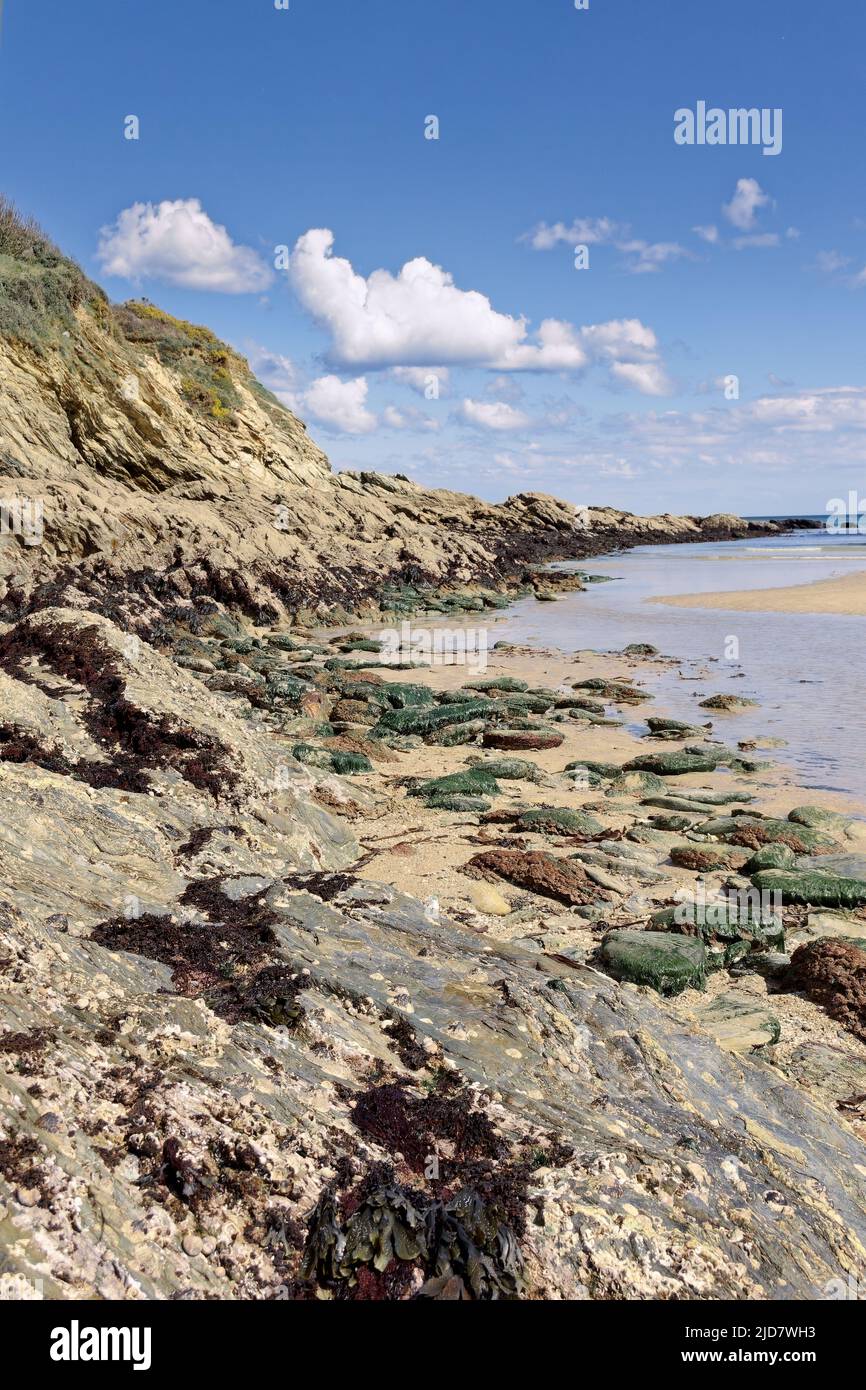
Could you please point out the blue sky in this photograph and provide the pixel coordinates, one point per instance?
(262, 128)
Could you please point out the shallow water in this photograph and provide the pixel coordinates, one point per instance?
(807, 670)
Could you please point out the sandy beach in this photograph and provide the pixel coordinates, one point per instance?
(432, 869)
(845, 594)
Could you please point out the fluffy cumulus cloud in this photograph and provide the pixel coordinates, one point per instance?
(745, 205)
(419, 317)
(621, 340)
(177, 242)
(340, 405)
(493, 415)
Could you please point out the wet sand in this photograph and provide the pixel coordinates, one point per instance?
(845, 594)
(430, 866)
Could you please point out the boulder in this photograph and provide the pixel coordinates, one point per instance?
(522, 740)
(539, 873)
(558, 820)
(667, 963)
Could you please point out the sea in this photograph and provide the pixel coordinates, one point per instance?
(807, 671)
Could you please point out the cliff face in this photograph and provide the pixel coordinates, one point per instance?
(166, 472)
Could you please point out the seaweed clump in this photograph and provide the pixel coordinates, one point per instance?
(139, 739)
(231, 961)
(458, 1239)
(832, 972)
(412, 1126)
(398, 1243)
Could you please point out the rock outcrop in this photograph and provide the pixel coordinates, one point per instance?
(165, 474)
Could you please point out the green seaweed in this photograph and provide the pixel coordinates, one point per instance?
(427, 720)
(671, 764)
(559, 820)
(507, 684)
(667, 962)
(331, 761)
(510, 769)
(812, 889)
(473, 781)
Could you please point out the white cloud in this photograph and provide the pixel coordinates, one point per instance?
(649, 257)
(647, 377)
(811, 435)
(761, 240)
(743, 208)
(507, 463)
(342, 405)
(626, 339)
(709, 234)
(418, 378)
(618, 468)
(493, 415)
(584, 231)
(419, 316)
(831, 261)
(411, 419)
(645, 257)
(821, 411)
(558, 348)
(178, 243)
(785, 451)
(415, 318)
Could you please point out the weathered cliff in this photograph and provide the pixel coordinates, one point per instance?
(166, 472)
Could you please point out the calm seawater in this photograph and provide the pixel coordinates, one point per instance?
(807, 670)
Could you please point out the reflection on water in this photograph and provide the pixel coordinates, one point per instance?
(807, 670)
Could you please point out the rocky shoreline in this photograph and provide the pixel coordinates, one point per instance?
(322, 978)
(325, 980)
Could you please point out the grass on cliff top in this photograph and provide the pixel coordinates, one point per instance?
(207, 367)
(40, 288)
